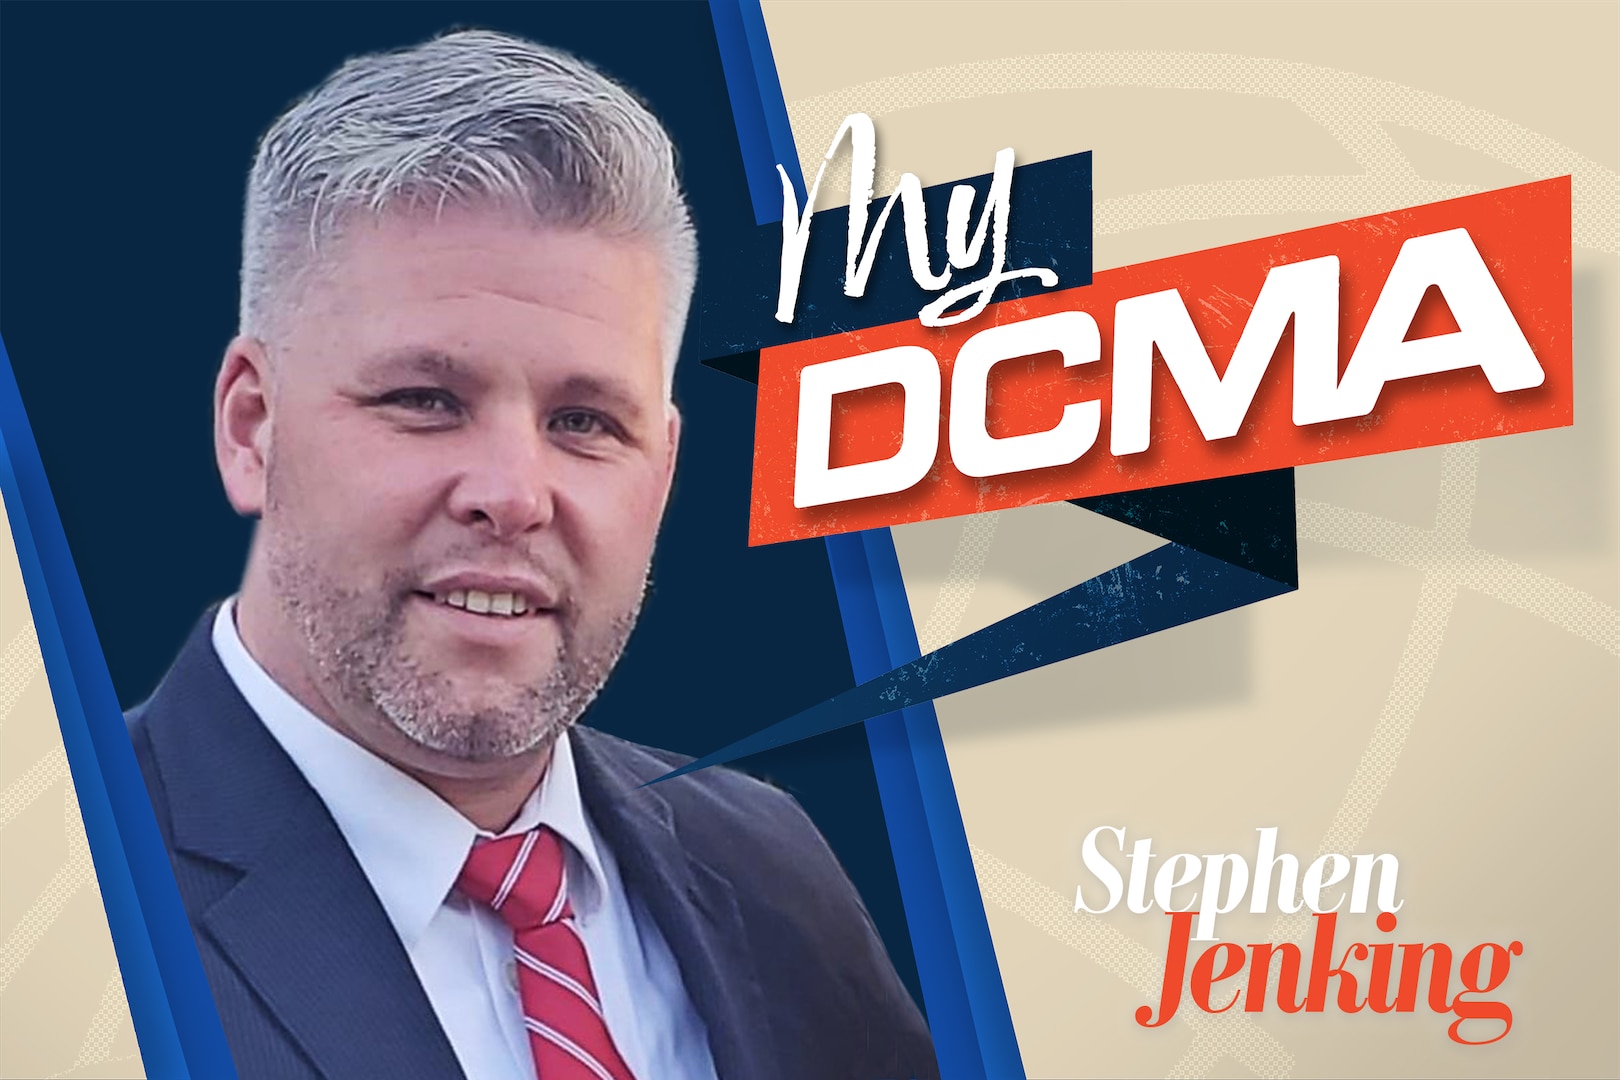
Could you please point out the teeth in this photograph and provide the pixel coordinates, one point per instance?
(483, 603)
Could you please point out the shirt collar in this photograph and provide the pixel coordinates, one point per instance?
(410, 843)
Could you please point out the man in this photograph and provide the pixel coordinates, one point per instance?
(466, 269)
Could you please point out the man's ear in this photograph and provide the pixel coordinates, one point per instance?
(674, 420)
(242, 424)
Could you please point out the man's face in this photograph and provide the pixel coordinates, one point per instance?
(467, 454)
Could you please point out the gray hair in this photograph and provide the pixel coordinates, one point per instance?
(470, 118)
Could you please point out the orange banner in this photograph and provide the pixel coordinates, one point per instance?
(1436, 324)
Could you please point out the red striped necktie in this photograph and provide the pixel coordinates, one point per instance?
(524, 879)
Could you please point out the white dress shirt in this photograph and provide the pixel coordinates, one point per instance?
(412, 845)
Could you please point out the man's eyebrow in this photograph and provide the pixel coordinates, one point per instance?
(429, 362)
(609, 391)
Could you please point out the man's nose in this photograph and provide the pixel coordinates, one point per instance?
(507, 484)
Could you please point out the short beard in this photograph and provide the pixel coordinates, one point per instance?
(358, 654)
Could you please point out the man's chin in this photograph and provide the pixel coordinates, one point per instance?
(476, 737)
(473, 717)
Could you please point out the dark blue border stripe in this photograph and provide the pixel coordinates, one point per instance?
(748, 107)
(928, 918)
(991, 1017)
(768, 85)
(169, 1000)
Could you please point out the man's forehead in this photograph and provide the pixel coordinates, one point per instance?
(436, 288)
(454, 229)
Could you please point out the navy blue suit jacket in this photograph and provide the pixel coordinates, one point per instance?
(777, 953)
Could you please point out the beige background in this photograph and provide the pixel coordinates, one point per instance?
(1446, 683)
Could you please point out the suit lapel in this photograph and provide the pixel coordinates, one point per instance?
(308, 935)
(695, 908)
(302, 926)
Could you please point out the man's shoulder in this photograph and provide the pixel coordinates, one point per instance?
(717, 795)
(745, 829)
(823, 965)
(137, 722)
(141, 740)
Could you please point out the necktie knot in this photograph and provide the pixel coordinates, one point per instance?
(522, 878)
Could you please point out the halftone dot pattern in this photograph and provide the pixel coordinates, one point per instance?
(956, 591)
(75, 873)
(1522, 587)
(18, 665)
(1353, 108)
(39, 778)
(105, 1025)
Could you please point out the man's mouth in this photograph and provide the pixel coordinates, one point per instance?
(500, 604)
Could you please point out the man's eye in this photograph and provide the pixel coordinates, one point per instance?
(426, 400)
(581, 422)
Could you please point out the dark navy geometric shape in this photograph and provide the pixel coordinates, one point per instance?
(743, 365)
(1245, 520)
